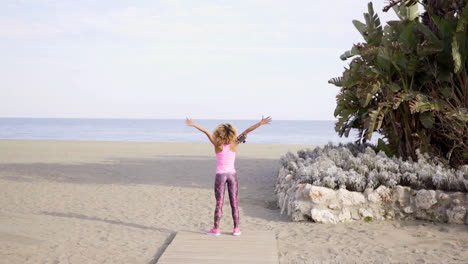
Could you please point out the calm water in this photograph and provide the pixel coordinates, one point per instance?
(161, 130)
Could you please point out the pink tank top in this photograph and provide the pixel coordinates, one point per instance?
(225, 160)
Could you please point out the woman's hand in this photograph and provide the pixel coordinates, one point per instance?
(189, 122)
(265, 121)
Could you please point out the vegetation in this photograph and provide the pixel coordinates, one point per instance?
(357, 167)
(408, 81)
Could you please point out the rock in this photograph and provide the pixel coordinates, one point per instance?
(302, 206)
(323, 216)
(443, 196)
(303, 201)
(355, 214)
(384, 193)
(301, 194)
(425, 199)
(408, 210)
(301, 209)
(345, 215)
(373, 197)
(321, 195)
(348, 198)
(401, 194)
(456, 215)
(367, 191)
(305, 189)
(365, 213)
(381, 194)
(281, 201)
(285, 204)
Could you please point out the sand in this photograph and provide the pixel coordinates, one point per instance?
(123, 202)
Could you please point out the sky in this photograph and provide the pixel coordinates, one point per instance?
(175, 58)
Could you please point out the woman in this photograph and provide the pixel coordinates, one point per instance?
(225, 142)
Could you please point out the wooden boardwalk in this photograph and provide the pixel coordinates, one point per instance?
(257, 247)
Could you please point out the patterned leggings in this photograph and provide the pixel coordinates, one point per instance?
(220, 186)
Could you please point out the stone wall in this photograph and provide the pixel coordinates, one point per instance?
(303, 201)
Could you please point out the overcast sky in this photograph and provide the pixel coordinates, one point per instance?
(171, 58)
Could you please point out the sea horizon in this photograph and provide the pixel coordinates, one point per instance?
(144, 118)
(300, 132)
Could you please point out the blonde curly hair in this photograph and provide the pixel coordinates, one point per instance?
(224, 134)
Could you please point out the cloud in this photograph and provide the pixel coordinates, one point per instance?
(174, 21)
(284, 49)
(14, 28)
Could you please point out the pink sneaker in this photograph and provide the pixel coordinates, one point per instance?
(236, 232)
(213, 232)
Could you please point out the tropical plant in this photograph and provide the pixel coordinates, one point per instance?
(408, 81)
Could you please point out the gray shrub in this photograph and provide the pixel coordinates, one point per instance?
(357, 167)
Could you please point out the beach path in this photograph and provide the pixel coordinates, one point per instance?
(194, 247)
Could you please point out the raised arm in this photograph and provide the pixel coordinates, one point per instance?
(189, 122)
(264, 121)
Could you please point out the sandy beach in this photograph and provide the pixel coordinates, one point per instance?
(123, 202)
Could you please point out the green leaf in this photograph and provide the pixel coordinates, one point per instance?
(407, 38)
(406, 12)
(427, 119)
(361, 27)
(374, 27)
(463, 20)
(413, 12)
(387, 56)
(411, 2)
(350, 53)
(337, 81)
(413, 64)
(381, 117)
(375, 89)
(338, 109)
(459, 41)
(387, 35)
(444, 75)
(429, 35)
(371, 31)
(401, 62)
(368, 98)
(381, 145)
(401, 97)
(428, 49)
(339, 125)
(394, 87)
(421, 104)
(446, 91)
(457, 57)
(372, 122)
(465, 155)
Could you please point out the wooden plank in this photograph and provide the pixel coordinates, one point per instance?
(257, 247)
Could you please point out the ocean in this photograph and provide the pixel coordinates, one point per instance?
(166, 130)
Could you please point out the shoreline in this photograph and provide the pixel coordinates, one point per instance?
(82, 151)
(123, 202)
(150, 142)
